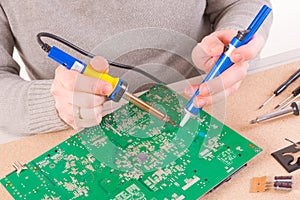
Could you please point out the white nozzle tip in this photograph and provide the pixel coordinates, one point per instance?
(185, 119)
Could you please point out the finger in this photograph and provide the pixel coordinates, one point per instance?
(66, 77)
(249, 50)
(83, 113)
(201, 59)
(86, 100)
(206, 53)
(63, 110)
(56, 88)
(191, 89)
(227, 79)
(87, 123)
(74, 81)
(225, 35)
(92, 85)
(201, 101)
(100, 64)
(79, 112)
(77, 98)
(84, 117)
(212, 45)
(78, 117)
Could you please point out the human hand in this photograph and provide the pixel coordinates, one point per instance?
(79, 98)
(206, 54)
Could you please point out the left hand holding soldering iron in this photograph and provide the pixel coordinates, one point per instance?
(205, 55)
(79, 98)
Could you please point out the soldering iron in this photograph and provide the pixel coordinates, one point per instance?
(119, 85)
(293, 109)
(224, 62)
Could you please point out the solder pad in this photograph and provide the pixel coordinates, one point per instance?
(132, 155)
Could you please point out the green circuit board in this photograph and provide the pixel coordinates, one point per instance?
(132, 155)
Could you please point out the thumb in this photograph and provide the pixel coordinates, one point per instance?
(100, 64)
(248, 51)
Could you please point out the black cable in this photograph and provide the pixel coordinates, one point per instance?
(46, 47)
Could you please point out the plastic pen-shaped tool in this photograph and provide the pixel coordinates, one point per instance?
(224, 62)
(293, 109)
(294, 94)
(119, 85)
(282, 87)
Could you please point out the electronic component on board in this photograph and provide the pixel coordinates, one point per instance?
(262, 184)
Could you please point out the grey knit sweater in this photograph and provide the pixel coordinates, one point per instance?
(157, 36)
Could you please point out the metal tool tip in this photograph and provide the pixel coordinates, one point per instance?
(276, 106)
(184, 119)
(254, 121)
(260, 107)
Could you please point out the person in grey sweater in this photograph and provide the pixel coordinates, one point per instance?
(160, 37)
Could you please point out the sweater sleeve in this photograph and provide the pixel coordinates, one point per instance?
(26, 107)
(237, 14)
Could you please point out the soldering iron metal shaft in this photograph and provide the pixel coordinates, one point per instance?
(148, 108)
(293, 109)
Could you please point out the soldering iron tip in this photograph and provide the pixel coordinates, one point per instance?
(254, 121)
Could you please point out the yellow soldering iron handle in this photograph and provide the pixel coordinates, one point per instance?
(89, 71)
(119, 86)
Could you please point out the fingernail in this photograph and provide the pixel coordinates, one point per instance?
(199, 103)
(237, 57)
(107, 89)
(189, 91)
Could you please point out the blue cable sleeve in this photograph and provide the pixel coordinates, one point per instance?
(66, 60)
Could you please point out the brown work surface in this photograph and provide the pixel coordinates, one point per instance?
(240, 109)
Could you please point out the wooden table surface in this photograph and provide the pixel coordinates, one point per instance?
(236, 112)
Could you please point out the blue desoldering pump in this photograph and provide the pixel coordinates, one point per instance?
(224, 62)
